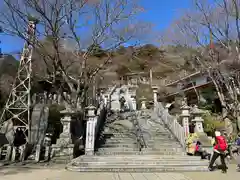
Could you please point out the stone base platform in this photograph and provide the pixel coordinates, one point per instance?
(62, 153)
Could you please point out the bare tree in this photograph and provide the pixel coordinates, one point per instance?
(65, 32)
(221, 21)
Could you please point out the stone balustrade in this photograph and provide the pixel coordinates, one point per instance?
(179, 130)
(171, 122)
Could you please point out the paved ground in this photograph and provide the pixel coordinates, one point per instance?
(216, 175)
(14, 173)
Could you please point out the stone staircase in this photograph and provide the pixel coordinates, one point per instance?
(121, 152)
(119, 138)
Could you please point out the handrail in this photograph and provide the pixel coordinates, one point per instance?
(139, 133)
(102, 107)
(171, 123)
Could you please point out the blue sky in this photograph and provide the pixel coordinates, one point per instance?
(159, 12)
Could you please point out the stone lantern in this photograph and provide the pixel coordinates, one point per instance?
(66, 121)
(64, 144)
(198, 120)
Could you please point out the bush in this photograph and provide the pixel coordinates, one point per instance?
(211, 123)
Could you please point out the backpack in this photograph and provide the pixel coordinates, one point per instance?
(221, 143)
(238, 142)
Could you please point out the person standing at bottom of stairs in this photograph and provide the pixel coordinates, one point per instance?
(219, 150)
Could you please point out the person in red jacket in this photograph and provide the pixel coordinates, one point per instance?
(219, 150)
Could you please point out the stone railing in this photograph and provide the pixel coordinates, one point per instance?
(171, 122)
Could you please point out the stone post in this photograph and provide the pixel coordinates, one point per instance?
(132, 94)
(155, 96)
(14, 152)
(34, 98)
(134, 102)
(185, 119)
(90, 134)
(22, 152)
(38, 153)
(47, 143)
(9, 153)
(155, 91)
(105, 100)
(197, 114)
(59, 99)
(45, 97)
(143, 103)
(1, 152)
(55, 98)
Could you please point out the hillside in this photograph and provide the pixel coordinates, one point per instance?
(8, 69)
(167, 63)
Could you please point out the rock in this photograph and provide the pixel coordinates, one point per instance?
(228, 126)
(238, 122)
(8, 130)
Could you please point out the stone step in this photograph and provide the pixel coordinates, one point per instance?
(156, 132)
(117, 149)
(159, 139)
(61, 159)
(122, 134)
(140, 168)
(138, 153)
(162, 149)
(138, 157)
(137, 163)
(150, 142)
(163, 144)
(174, 149)
(109, 145)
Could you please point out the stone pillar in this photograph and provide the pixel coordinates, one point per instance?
(90, 134)
(185, 119)
(14, 152)
(155, 91)
(143, 103)
(59, 99)
(105, 99)
(134, 102)
(38, 153)
(197, 114)
(65, 95)
(45, 96)
(9, 153)
(1, 152)
(50, 98)
(34, 98)
(22, 152)
(47, 143)
(55, 98)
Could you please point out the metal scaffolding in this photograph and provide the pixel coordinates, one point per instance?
(18, 106)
